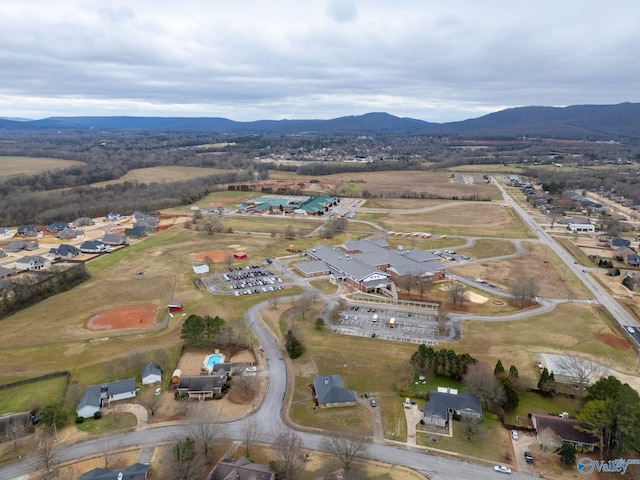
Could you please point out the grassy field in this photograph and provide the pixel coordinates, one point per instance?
(169, 173)
(21, 398)
(30, 166)
(571, 328)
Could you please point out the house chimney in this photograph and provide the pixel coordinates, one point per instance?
(326, 381)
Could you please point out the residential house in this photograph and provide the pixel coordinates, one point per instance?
(5, 232)
(329, 391)
(14, 425)
(142, 219)
(202, 387)
(56, 227)
(3, 254)
(554, 430)
(6, 272)
(97, 396)
(19, 245)
(137, 471)
(114, 239)
(241, 469)
(94, 246)
(82, 222)
(137, 231)
(69, 234)
(621, 252)
(27, 231)
(65, 251)
(446, 402)
(581, 227)
(151, 373)
(32, 262)
(619, 242)
(113, 217)
(632, 260)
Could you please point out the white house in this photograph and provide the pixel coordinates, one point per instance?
(32, 262)
(151, 373)
(581, 227)
(97, 396)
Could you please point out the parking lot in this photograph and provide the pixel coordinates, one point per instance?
(243, 281)
(375, 323)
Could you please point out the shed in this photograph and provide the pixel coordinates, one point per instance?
(200, 269)
(151, 373)
(175, 378)
(175, 306)
(240, 255)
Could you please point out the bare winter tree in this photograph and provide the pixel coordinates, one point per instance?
(406, 283)
(582, 371)
(481, 382)
(228, 259)
(442, 319)
(525, 290)
(288, 446)
(424, 285)
(344, 447)
(471, 427)
(45, 451)
(246, 382)
(205, 425)
(250, 432)
(457, 293)
(304, 302)
(150, 400)
(184, 462)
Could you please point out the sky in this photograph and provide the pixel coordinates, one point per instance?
(245, 60)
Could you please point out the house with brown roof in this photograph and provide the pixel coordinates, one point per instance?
(554, 430)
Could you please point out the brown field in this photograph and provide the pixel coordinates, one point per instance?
(453, 218)
(170, 173)
(216, 256)
(30, 166)
(554, 279)
(127, 316)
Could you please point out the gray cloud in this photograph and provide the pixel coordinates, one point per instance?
(289, 59)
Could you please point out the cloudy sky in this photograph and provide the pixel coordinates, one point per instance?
(433, 60)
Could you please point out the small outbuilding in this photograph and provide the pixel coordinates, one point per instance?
(175, 306)
(239, 256)
(200, 269)
(151, 373)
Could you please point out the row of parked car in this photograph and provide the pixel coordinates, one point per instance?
(245, 275)
(250, 291)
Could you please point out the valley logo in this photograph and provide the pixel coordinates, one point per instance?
(587, 466)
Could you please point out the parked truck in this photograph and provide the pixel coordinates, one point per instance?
(392, 322)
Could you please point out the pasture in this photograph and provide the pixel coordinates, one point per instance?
(10, 165)
(164, 174)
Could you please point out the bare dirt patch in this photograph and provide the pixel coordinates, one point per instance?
(613, 341)
(217, 256)
(127, 316)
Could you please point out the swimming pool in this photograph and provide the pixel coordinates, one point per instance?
(211, 360)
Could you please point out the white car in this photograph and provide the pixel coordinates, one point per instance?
(502, 469)
(631, 330)
(158, 391)
(514, 434)
(251, 369)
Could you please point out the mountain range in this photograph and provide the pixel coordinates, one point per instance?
(578, 122)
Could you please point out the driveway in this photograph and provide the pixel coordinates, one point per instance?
(524, 443)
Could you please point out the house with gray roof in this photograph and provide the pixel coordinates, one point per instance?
(82, 222)
(137, 471)
(69, 233)
(151, 373)
(65, 251)
(32, 262)
(19, 245)
(632, 260)
(445, 403)
(97, 396)
(14, 425)
(3, 253)
(5, 232)
(6, 272)
(94, 246)
(57, 227)
(241, 469)
(329, 391)
(27, 231)
(114, 239)
(142, 219)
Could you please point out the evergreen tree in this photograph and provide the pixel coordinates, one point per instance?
(511, 398)
(499, 369)
(513, 371)
(567, 454)
(547, 383)
(293, 345)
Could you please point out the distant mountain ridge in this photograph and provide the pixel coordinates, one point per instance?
(573, 122)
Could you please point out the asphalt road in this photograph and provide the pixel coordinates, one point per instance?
(600, 294)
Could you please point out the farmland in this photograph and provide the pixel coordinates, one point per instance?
(29, 165)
